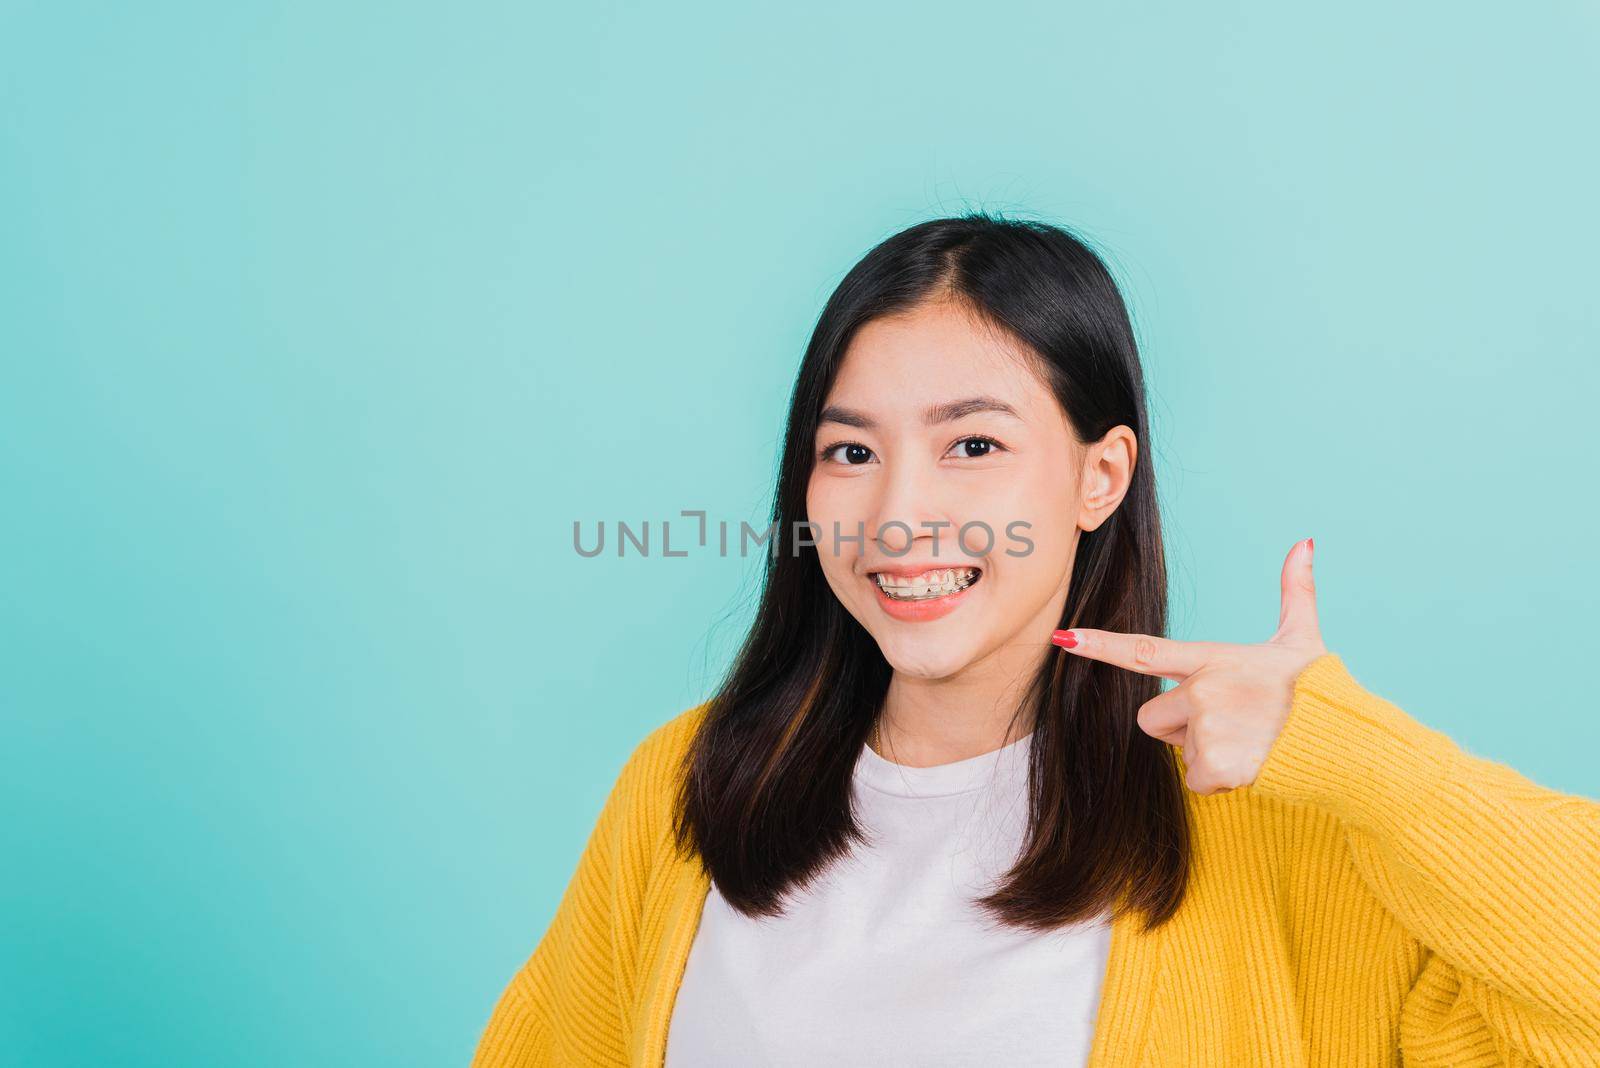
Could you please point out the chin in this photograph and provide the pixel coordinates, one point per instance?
(927, 660)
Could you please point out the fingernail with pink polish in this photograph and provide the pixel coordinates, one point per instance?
(1064, 638)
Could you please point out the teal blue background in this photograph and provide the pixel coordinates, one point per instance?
(321, 324)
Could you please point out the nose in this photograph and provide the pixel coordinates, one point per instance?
(909, 507)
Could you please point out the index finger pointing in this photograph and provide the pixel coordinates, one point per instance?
(1144, 653)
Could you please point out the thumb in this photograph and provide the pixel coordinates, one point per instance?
(1297, 618)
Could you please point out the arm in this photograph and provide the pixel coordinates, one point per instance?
(1498, 877)
(564, 1005)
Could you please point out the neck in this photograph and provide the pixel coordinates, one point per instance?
(926, 722)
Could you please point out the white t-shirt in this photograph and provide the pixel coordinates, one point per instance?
(884, 960)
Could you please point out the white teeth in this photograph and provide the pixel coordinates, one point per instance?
(927, 585)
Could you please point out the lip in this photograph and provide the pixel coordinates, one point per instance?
(910, 570)
(916, 611)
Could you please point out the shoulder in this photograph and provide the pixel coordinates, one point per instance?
(645, 791)
(658, 758)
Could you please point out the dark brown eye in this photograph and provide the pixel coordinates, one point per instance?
(975, 448)
(855, 453)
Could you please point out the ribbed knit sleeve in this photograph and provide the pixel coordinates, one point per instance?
(1496, 876)
(564, 1006)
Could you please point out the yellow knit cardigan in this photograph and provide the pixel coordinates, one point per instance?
(1378, 896)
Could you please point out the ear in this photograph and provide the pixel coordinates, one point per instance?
(1108, 466)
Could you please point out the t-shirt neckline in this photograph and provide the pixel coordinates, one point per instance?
(942, 780)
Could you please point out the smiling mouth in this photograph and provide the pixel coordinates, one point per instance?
(928, 586)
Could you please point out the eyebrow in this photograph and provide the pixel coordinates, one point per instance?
(948, 412)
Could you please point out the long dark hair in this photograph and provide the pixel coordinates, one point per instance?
(765, 794)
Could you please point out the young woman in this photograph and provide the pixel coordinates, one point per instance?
(943, 812)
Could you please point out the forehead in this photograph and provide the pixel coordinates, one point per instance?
(932, 353)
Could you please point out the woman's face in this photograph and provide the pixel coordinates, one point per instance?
(934, 426)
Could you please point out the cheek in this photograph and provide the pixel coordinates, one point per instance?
(1042, 513)
(832, 500)
(819, 509)
(827, 505)
(822, 497)
(1014, 516)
